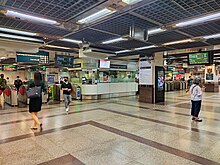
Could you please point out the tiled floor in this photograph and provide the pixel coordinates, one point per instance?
(119, 131)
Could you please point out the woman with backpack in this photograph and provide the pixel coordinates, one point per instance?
(196, 99)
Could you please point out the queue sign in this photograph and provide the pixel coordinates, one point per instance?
(40, 57)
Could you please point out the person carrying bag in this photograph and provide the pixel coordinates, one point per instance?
(196, 99)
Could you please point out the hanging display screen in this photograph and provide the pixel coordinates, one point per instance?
(199, 58)
(40, 57)
(105, 64)
(64, 61)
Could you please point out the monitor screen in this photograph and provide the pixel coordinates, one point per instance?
(39, 57)
(64, 61)
(199, 58)
(104, 64)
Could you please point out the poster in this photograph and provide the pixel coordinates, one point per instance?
(145, 73)
(51, 78)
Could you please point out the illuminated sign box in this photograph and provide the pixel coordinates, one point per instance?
(40, 57)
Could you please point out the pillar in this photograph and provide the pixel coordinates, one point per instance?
(151, 79)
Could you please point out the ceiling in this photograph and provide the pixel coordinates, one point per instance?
(147, 14)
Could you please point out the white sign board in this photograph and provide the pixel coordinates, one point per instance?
(145, 73)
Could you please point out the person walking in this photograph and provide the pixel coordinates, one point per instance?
(67, 88)
(36, 103)
(18, 83)
(196, 99)
(3, 82)
(189, 83)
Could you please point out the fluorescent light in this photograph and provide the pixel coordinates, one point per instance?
(20, 37)
(145, 47)
(58, 47)
(122, 51)
(212, 36)
(199, 20)
(130, 2)
(17, 32)
(71, 40)
(29, 17)
(154, 31)
(100, 14)
(114, 40)
(178, 42)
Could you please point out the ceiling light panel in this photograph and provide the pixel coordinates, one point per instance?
(155, 31)
(145, 47)
(178, 42)
(71, 40)
(114, 40)
(100, 14)
(27, 17)
(199, 20)
(20, 37)
(212, 36)
(131, 2)
(17, 32)
(122, 51)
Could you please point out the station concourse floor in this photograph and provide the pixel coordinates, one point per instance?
(119, 131)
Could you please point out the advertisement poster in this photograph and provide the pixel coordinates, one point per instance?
(51, 78)
(160, 80)
(159, 84)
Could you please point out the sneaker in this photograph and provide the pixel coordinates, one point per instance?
(67, 109)
(198, 120)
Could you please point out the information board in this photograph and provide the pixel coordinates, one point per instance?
(40, 57)
(199, 58)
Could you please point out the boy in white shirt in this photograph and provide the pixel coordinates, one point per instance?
(196, 99)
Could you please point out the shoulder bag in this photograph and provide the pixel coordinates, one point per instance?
(34, 92)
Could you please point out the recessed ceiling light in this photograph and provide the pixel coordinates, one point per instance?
(178, 42)
(145, 47)
(22, 16)
(58, 47)
(114, 40)
(154, 31)
(199, 20)
(100, 14)
(71, 40)
(122, 51)
(20, 37)
(17, 32)
(212, 36)
(130, 2)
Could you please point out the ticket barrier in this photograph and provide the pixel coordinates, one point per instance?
(11, 95)
(22, 97)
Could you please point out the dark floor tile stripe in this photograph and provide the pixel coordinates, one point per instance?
(46, 108)
(156, 145)
(161, 110)
(64, 160)
(164, 123)
(20, 137)
(56, 115)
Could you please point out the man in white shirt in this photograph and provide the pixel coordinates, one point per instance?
(196, 99)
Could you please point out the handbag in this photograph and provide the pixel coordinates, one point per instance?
(34, 92)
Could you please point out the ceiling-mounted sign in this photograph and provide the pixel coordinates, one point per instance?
(9, 67)
(40, 57)
(64, 61)
(116, 66)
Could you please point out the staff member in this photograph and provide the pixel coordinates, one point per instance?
(196, 99)
(67, 88)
